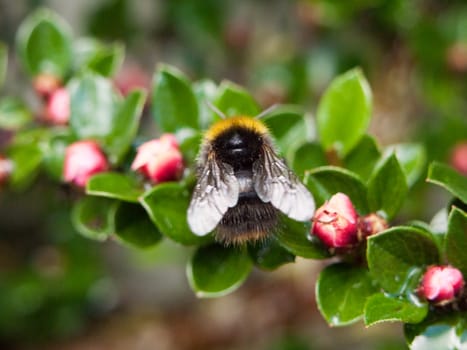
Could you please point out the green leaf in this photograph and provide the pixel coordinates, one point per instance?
(456, 240)
(385, 308)
(115, 185)
(363, 157)
(412, 158)
(14, 114)
(451, 180)
(133, 226)
(295, 237)
(289, 128)
(124, 126)
(100, 58)
(3, 62)
(215, 270)
(387, 187)
(167, 206)
(325, 181)
(269, 254)
(205, 90)
(190, 142)
(347, 102)
(308, 156)
(26, 160)
(397, 256)
(341, 293)
(93, 217)
(438, 332)
(44, 43)
(233, 100)
(54, 149)
(174, 104)
(93, 106)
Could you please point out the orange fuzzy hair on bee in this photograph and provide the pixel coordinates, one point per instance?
(243, 122)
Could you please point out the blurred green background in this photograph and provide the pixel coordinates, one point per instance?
(61, 291)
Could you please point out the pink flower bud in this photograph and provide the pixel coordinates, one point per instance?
(160, 159)
(130, 77)
(82, 160)
(336, 222)
(58, 107)
(371, 224)
(45, 84)
(459, 157)
(6, 167)
(441, 284)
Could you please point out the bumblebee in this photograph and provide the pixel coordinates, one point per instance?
(243, 185)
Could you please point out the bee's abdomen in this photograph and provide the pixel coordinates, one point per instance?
(250, 220)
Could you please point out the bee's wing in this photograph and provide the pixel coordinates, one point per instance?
(216, 191)
(274, 182)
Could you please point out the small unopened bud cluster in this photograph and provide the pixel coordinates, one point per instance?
(159, 160)
(56, 98)
(337, 224)
(441, 284)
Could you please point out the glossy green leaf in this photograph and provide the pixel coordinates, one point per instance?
(93, 106)
(387, 187)
(54, 151)
(124, 126)
(363, 157)
(412, 158)
(385, 308)
(167, 206)
(26, 160)
(190, 142)
(451, 180)
(215, 270)
(115, 185)
(234, 100)
(269, 254)
(344, 112)
(174, 103)
(295, 237)
(205, 90)
(341, 293)
(325, 181)
(438, 332)
(44, 43)
(3, 62)
(456, 240)
(14, 114)
(397, 256)
(92, 54)
(306, 157)
(133, 226)
(289, 128)
(93, 217)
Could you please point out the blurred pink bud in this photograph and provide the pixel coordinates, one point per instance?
(440, 284)
(58, 107)
(160, 159)
(45, 84)
(6, 167)
(371, 224)
(459, 157)
(130, 77)
(336, 222)
(82, 160)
